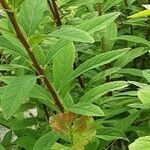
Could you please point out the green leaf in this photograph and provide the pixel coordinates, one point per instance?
(63, 61)
(12, 44)
(146, 74)
(31, 13)
(99, 60)
(1, 147)
(144, 95)
(103, 74)
(26, 142)
(98, 23)
(110, 36)
(143, 13)
(73, 34)
(110, 134)
(56, 48)
(111, 3)
(7, 138)
(87, 109)
(15, 93)
(99, 91)
(129, 56)
(46, 141)
(42, 95)
(142, 143)
(135, 39)
(39, 54)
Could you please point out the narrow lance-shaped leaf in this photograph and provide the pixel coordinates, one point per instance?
(135, 39)
(95, 62)
(99, 91)
(87, 109)
(129, 56)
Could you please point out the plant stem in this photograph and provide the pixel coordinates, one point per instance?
(28, 48)
(54, 9)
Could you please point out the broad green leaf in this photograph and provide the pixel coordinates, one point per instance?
(56, 48)
(146, 74)
(129, 56)
(11, 44)
(144, 95)
(87, 109)
(98, 23)
(143, 13)
(111, 3)
(135, 39)
(99, 91)
(15, 93)
(110, 134)
(142, 143)
(63, 66)
(103, 74)
(73, 34)
(46, 141)
(26, 142)
(31, 13)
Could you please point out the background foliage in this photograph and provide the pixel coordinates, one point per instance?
(74, 75)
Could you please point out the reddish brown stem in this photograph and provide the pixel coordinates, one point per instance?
(54, 9)
(28, 48)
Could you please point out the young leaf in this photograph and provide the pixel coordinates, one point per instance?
(142, 143)
(46, 141)
(73, 34)
(15, 93)
(87, 109)
(99, 91)
(140, 14)
(31, 13)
